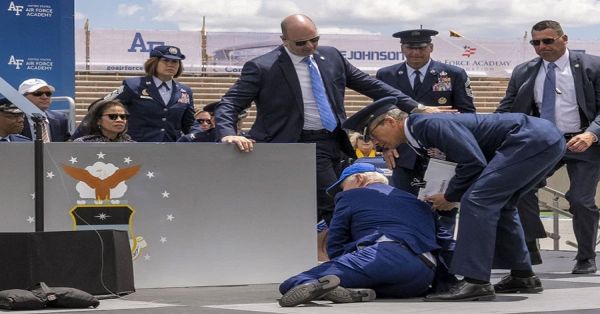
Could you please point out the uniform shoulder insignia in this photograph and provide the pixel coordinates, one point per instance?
(114, 94)
(468, 87)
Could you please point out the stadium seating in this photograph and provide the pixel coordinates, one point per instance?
(92, 85)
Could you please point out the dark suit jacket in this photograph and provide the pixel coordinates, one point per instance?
(365, 214)
(586, 74)
(16, 138)
(59, 126)
(271, 82)
(472, 140)
(460, 96)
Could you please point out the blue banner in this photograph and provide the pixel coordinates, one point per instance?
(38, 42)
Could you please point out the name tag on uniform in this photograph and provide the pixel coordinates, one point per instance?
(145, 97)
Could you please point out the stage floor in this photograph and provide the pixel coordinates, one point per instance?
(564, 293)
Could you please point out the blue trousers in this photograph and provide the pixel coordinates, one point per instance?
(489, 230)
(390, 269)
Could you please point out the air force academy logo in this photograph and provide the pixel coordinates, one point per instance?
(101, 188)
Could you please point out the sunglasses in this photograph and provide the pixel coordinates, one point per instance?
(114, 116)
(301, 43)
(38, 94)
(202, 121)
(546, 41)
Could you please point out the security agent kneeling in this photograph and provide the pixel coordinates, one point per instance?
(379, 242)
(500, 157)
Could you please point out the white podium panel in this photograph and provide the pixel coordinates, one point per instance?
(197, 213)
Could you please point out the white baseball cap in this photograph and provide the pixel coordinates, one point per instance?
(31, 85)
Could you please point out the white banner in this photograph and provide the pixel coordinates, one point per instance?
(126, 50)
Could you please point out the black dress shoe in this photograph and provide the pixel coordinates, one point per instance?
(511, 284)
(464, 291)
(585, 266)
(309, 291)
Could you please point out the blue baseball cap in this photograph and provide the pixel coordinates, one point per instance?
(169, 52)
(358, 167)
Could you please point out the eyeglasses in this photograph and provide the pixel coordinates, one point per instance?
(38, 94)
(546, 41)
(202, 121)
(114, 116)
(302, 43)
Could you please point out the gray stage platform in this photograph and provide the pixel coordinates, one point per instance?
(565, 293)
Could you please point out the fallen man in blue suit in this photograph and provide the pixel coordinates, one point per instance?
(499, 158)
(380, 243)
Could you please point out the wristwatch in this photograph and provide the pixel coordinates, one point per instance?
(420, 108)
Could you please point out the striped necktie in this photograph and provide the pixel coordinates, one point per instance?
(327, 118)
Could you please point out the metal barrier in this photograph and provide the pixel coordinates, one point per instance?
(70, 112)
(556, 213)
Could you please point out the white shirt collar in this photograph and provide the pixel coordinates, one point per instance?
(411, 140)
(295, 58)
(423, 69)
(158, 82)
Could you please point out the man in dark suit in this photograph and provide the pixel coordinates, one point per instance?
(499, 157)
(380, 238)
(563, 86)
(431, 83)
(57, 124)
(299, 94)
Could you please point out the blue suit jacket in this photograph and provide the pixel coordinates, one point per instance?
(365, 214)
(432, 93)
(586, 74)
(472, 140)
(271, 82)
(151, 119)
(59, 126)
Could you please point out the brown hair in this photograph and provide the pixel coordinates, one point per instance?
(152, 63)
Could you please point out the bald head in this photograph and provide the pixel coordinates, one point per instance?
(299, 34)
(296, 21)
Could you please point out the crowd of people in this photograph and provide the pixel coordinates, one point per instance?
(378, 238)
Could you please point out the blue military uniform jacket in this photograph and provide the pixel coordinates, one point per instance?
(152, 120)
(471, 140)
(362, 216)
(199, 136)
(443, 85)
(58, 123)
(271, 82)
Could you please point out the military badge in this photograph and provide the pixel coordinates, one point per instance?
(400, 72)
(145, 92)
(444, 83)
(442, 100)
(101, 187)
(173, 50)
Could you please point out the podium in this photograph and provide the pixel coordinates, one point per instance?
(98, 262)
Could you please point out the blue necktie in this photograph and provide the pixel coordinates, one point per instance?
(327, 118)
(549, 95)
(417, 82)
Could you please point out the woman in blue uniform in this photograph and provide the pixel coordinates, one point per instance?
(161, 109)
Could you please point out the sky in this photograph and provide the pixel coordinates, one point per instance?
(503, 19)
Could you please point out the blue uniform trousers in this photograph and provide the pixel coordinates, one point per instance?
(387, 267)
(489, 230)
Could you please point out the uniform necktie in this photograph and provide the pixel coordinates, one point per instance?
(549, 95)
(45, 135)
(327, 118)
(417, 82)
(165, 92)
